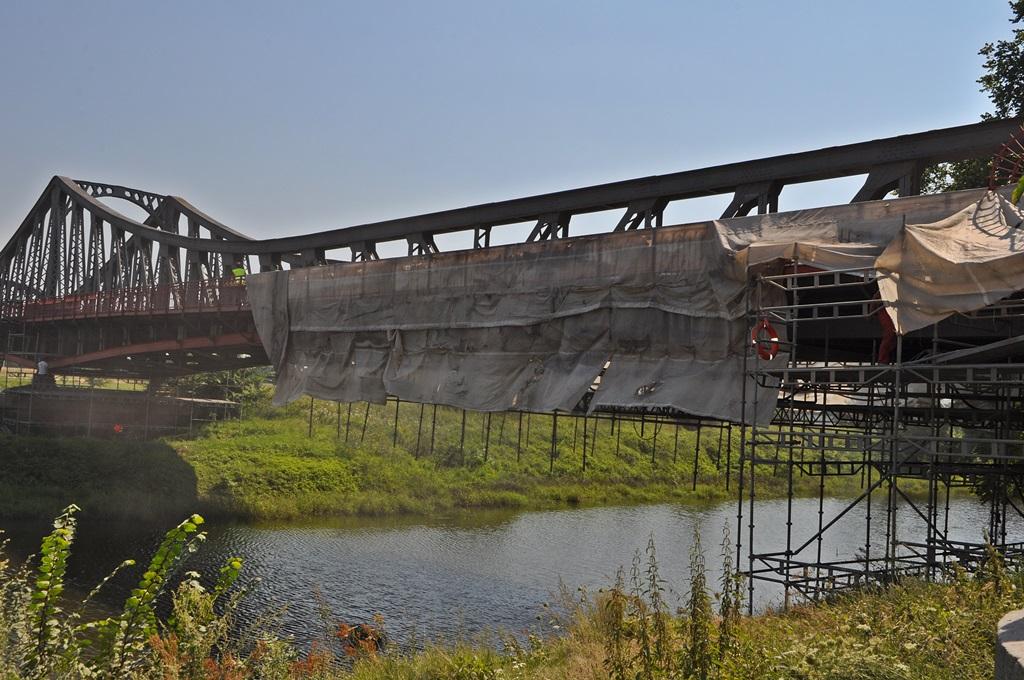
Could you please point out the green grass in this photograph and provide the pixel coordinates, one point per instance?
(267, 466)
(15, 377)
(914, 630)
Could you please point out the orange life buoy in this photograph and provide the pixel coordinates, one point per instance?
(764, 337)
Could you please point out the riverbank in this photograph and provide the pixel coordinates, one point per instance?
(269, 466)
(642, 625)
(910, 631)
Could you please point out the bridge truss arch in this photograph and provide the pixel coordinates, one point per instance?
(75, 260)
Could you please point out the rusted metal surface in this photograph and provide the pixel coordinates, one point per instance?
(72, 242)
(78, 277)
(207, 297)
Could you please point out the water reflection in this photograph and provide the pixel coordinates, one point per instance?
(474, 572)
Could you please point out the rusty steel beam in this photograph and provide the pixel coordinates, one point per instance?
(925, 148)
(31, 265)
(886, 159)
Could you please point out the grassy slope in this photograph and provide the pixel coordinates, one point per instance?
(266, 466)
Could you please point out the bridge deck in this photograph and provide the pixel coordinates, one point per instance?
(188, 298)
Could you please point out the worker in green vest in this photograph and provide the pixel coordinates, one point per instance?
(238, 271)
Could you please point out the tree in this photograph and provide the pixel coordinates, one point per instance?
(243, 384)
(1004, 69)
(969, 174)
(1003, 81)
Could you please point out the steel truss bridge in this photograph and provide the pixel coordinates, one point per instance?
(97, 292)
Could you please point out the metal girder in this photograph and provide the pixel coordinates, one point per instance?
(421, 244)
(144, 199)
(958, 143)
(550, 226)
(903, 177)
(482, 237)
(642, 214)
(72, 241)
(762, 195)
(363, 251)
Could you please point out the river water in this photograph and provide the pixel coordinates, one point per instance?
(469, 574)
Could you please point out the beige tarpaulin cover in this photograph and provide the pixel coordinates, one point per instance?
(960, 264)
(659, 315)
(927, 272)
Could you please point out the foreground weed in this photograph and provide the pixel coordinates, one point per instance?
(697, 654)
(730, 598)
(40, 639)
(49, 646)
(909, 630)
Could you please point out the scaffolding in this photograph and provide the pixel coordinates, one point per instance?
(915, 417)
(94, 406)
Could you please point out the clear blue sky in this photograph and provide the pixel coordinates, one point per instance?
(280, 118)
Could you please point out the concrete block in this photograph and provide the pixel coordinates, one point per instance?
(1010, 647)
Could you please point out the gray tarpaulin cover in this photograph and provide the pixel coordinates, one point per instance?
(659, 315)
(519, 327)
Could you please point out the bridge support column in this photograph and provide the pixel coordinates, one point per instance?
(905, 178)
(762, 195)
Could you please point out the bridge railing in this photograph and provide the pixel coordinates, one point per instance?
(224, 295)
